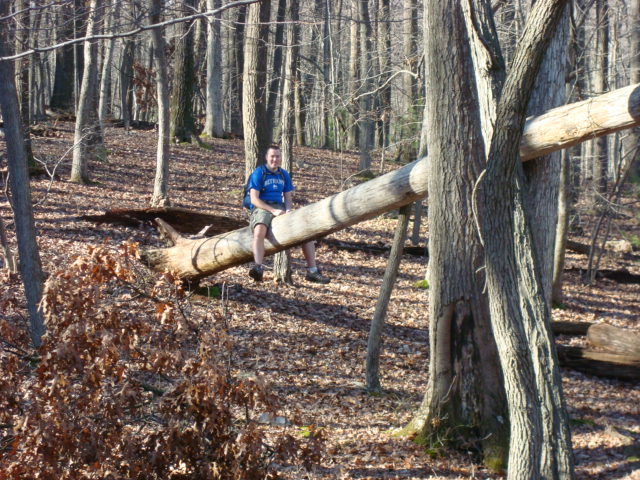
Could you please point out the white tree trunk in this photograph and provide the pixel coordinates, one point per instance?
(213, 125)
(160, 196)
(87, 139)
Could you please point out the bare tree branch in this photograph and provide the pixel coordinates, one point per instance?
(129, 33)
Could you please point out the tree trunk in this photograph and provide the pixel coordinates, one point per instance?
(276, 68)
(465, 402)
(282, 260)
(380, 314)
(182, 122)
(365, 105)
(571, 124)
(105, 80)
(562, 229)
(126, 81)
(600, 85)
(87, 138)
(249, 90)
(62, 96)
(631, 143)
(354, 28)
(160, 196)
(213, 126)
(543, 173)
(236, 76)
(23, 65)
(540, 444)
(29, 256)
(359, 203)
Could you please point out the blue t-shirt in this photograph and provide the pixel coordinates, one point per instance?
(275, 184)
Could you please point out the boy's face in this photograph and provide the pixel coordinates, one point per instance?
(273, 158)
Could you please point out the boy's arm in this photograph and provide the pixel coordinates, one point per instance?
(288, 201)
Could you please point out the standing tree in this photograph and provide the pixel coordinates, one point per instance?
(213, 124)
(254, 86)
(632, 142)
(282, 260)
(87, 138)
(540, 443)
(183, 127)
(30, 266)
(160, 196)
(465, 402)
(465, 386)
(365, 120)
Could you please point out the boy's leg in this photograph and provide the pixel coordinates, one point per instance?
(259, 234)
(313, 274)
(309, 252)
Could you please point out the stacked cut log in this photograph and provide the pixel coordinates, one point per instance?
(612, 352)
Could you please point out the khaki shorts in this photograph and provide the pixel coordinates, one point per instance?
(259, 215)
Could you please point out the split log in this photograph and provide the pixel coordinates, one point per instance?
(598, 363)
(615, 340)
(194, 259)
(182, 219)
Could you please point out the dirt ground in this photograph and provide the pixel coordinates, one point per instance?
(308, 341)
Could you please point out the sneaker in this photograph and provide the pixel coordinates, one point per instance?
(316, 277)
(256, 273)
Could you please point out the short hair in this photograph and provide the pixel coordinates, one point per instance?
(273, 146)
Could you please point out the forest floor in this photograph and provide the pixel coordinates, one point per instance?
(308, 341)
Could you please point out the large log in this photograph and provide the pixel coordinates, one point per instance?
(568, 125)
(194, 259)
(615, 340)
(598, 363)
(570, 328)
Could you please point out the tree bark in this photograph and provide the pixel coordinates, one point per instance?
(29, 256)
(193, 259)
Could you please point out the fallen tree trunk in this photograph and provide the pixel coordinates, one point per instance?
(194, 259)
(615, 340)
(598, 363)
(571, 124)
(570, 328)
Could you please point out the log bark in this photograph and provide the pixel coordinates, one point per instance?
(571, 124)
(615, 340)
(556, 129)
(599, 364)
